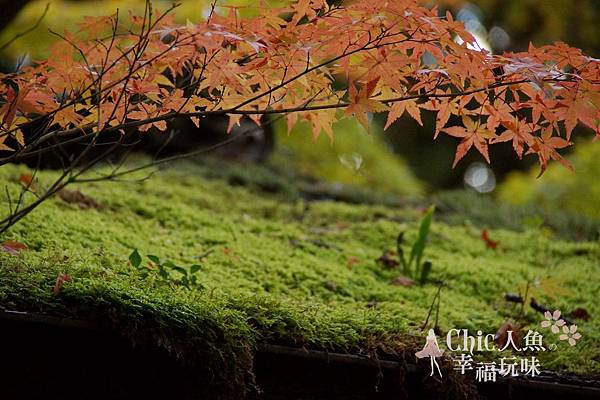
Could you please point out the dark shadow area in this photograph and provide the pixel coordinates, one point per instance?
(45, 357)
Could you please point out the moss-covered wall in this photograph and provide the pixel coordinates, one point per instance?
(280, 270)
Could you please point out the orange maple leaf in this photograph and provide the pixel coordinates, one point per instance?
(361, 103)
(473, 133)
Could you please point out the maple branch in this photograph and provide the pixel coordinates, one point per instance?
(368, 46)
(44, 137)
(104, 72)
(23, 152)
(303, 108)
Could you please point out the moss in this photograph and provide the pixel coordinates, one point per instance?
(466, 206)
(281, 271)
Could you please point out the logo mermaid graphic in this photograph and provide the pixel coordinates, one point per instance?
(431, 350)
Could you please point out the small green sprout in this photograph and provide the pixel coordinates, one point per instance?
(413, 266)
(167, 271)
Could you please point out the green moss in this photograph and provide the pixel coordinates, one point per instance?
(462, 206)
(279, 272)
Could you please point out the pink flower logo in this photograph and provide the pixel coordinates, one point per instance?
(570, 334)
(553, 321)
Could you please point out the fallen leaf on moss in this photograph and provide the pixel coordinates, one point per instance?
(351, 261)
(489, 243)
(60, 280)
(387, 259)
(402, 281)
(230, 254)
(26, 180)
(13, 247)
(76, 197)
(580, 313)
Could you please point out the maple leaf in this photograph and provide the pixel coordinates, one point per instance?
(446, 109)
(398, 109)
(19, 137)
(173, 100)
(13, 247)
(473, 133)
(361, 103)
(577, 106)
(321, 121)
(498, 112)
(93, 26)
(9, 108)
(548, 286)
(26, 180)
(459, 28)
(68, 116)
(146, 112)
(234, 120)
(518, 133)
(545, 147)
(144, 87)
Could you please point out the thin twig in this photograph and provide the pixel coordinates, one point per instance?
(436, 297)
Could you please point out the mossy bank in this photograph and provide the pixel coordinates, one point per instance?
(281, 269)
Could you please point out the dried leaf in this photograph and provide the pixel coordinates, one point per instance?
(387, 259)
(402, 281)
(489, 243)
(372, 304)
(76, 197)
(351, 262)
(26, 180)
(13, 247)
(60, 280)
(580, 313)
